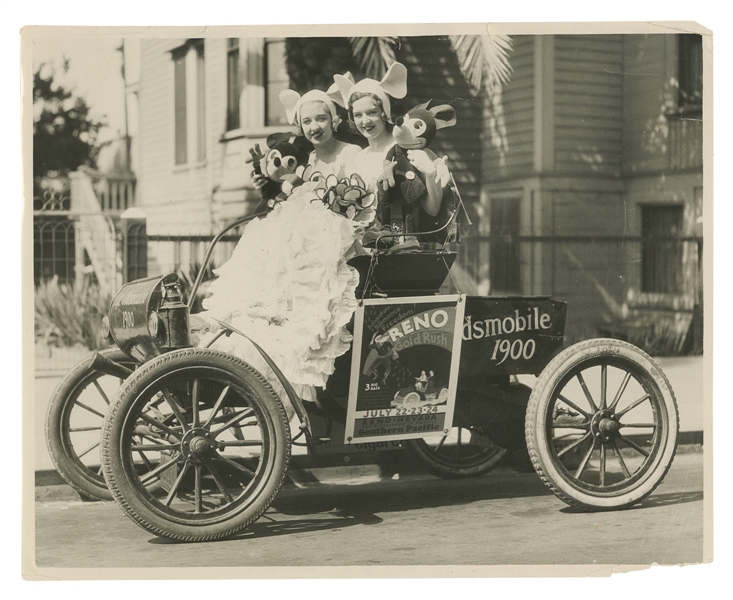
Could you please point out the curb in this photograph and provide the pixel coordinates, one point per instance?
(344, 468)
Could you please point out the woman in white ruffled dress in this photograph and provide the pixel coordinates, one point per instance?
(287, 285)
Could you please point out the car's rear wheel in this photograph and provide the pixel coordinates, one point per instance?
(74, 424)
(462, 452)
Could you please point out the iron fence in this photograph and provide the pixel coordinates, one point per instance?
(72, 246)
(182, 248)
(604, 279)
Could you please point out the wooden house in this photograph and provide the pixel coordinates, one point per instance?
(583, 176)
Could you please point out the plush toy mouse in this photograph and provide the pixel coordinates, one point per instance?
(285, 160)
(413, 131)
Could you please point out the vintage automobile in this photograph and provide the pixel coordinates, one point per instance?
(195, 443)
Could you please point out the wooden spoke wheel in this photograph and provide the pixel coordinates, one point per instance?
(602, 425)
(74, 424)
(463, 452)
(210, 430)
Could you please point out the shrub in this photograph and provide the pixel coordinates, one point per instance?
(70, 315)
(656, 336)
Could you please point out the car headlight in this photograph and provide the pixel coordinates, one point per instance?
(104, 330)
(153, 323)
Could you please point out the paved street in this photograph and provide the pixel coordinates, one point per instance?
(501, 518)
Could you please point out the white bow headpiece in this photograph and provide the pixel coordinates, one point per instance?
(394, 83)
(292, 101)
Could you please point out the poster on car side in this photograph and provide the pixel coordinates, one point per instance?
(404, 369)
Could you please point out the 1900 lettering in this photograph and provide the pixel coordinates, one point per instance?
(517, 349)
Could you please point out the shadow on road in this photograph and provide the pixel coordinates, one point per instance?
(669, 499)
(654, 501)
(397, 496)
(335, 506)
(267, 527)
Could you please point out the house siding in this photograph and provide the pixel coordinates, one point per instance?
(648, 94)
(516, 159)
(216, 108)
(165, 186)
(592, 274)
(156, 126)
(588, 104)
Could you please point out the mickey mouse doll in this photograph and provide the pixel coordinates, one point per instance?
(402, 187)
(281, 166)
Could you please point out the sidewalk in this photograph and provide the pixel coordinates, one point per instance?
(684, 373)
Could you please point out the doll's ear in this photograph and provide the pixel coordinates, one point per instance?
(276, 138)
(289, 99)
(445, 116)
(394, 81)
(302, 144)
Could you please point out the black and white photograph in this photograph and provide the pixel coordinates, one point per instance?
(395, 301)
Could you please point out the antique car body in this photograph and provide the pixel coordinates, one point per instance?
(196, 442)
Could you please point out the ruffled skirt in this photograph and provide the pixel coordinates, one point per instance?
(288, 287)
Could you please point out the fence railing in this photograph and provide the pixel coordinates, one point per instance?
(182, 249)
(78, 241)
(604, 279)
(685, 141)
(116, 193)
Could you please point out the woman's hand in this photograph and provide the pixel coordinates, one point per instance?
(259, 181)
(421, 161)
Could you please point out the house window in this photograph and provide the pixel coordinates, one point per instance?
(276, 80)
(690, 71)
(179, 91)
(188, 104)
(234, 88)
(504, 245)
(661, 249)
(200, 105)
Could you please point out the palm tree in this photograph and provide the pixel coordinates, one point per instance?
(483, 59)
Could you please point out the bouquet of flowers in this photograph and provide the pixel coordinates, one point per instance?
(345, 196)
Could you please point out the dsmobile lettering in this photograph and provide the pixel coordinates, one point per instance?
(532, 321)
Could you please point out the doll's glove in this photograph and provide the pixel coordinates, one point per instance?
(386, 179)
(255, 155)
(421, 161)
(442, 174)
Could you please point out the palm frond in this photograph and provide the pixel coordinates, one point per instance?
(483, 59)
(374, 54)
